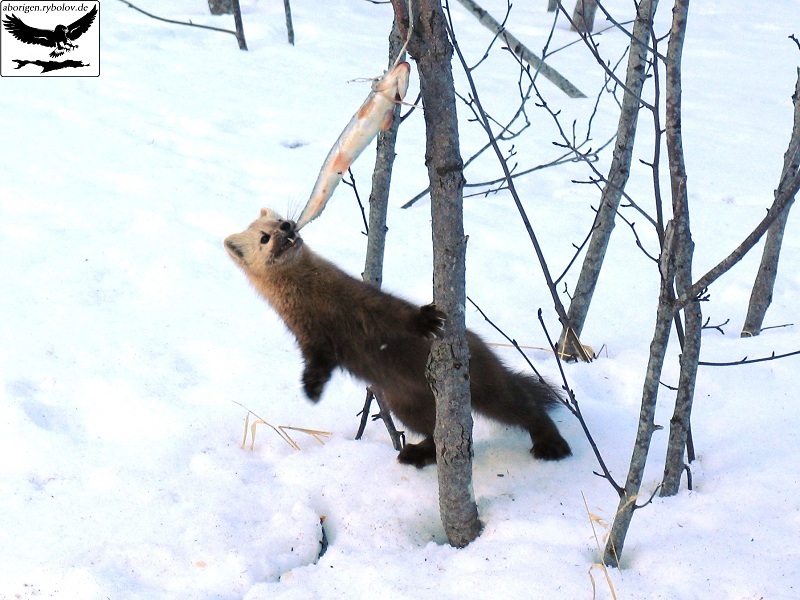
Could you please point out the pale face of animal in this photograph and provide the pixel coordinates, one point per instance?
(268, 242)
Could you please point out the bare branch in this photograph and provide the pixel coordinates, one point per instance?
(571, 403)
(352, 184)
(559, 307)
(749, 361)
(634, 39)
(574, 408)
(717, 327)
(398, 437)
(236, 34)
(592, 46)
(522, 51)
(784, 196)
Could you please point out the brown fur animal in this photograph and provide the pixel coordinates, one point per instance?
(340, 321)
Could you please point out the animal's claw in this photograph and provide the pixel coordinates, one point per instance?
(430, 321)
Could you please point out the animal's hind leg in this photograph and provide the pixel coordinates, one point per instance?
(548, 444)
(523, 403)
(419, 455)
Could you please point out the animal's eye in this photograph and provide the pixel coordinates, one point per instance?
(265, 238)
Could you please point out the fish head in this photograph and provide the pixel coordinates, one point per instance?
(394, 84)
(268, 242)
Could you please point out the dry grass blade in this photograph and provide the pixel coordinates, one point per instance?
(280, 430)
(315, 433)
(592, 520)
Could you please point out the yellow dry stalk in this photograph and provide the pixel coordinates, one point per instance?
(585, 351)
(505, 345)
(315, 433)
(592, 520)
(281, 430)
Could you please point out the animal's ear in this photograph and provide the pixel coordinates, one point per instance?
(265, 212)
(234, 246)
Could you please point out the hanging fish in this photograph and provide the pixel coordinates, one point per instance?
(376, 113)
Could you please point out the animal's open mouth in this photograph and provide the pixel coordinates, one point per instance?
(288, 244)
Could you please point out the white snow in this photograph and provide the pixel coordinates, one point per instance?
(128, 334)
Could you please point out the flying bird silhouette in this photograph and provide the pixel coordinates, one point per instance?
(60, 38)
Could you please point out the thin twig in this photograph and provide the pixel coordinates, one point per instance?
(593, 48)
(352, 184)
(559, 307)
(630, 35)
(749, 361)
(522, 51)
(717, 327)
(189, 23)
(513, 342)
(574, 408)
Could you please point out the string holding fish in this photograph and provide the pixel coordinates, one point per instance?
(376, 114)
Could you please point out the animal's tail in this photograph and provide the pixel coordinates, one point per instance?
(535, 390)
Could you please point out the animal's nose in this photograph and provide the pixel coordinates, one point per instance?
(288, 227)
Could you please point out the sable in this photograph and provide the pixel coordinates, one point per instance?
(342, 322)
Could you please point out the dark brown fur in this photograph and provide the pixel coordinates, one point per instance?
(340, 321)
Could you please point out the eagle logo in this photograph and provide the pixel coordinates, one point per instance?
(61, 38)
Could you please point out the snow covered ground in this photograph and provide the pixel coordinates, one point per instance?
(128, 334)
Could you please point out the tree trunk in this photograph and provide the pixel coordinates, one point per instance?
(448, 364)
(237, 19)
(552, 5)
(675, 261)
(761, 296)
(615, 184)
(376, 236)
(220, 7)
(674, 465)
(287, 9)
(583, 16)
(381, 179)
(693, 315)
(644, 434)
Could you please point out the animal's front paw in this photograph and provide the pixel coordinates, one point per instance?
(430, 321)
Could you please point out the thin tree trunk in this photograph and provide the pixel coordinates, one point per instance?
(220, 7)
(287, 9)
(679, 425)
(237, 19)
(376, 236)
(381, 179)
(615, 184)
(521, 50)
(655, 364)
(761, 296)
(448, 364)
(693, 316)
(552, 5)
(583, 16)
(675, 257)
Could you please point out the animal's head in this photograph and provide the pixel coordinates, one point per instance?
(269, 241)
